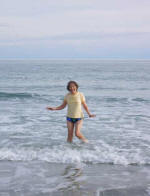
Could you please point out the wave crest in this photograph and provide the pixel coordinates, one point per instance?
(9, 95)
(66, 154)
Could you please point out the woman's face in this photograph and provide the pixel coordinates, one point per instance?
(72, 88)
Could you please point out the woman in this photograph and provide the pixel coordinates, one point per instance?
(74, 100)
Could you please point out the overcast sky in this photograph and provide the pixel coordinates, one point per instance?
(75, 29)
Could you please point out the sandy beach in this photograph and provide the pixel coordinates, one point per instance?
(49, 179)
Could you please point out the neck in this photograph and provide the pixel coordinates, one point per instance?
(74, 93)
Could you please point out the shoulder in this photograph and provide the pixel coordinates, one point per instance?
(82, 96)
(67, 95)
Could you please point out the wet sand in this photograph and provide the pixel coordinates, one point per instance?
(49, 179)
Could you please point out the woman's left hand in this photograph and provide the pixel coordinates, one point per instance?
(92, 115)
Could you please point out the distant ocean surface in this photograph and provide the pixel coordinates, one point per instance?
(117, 91)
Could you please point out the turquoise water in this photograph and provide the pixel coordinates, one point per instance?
(118, 92)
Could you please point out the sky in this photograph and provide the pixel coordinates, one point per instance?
(75, 29)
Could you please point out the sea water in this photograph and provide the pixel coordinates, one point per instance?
(117, 91)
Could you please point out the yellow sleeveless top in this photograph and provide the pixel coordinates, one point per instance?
(75, 105)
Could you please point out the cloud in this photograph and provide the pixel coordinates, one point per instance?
(73, 22)
(67, 24)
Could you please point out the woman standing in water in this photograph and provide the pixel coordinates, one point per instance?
(74, 99)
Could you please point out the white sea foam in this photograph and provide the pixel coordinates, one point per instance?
(75, 154)
(148, 189)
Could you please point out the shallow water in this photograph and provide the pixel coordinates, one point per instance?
(37, 178)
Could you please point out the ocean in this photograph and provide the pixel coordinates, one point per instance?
(35, 158)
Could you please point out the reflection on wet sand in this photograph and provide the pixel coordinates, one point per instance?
(73, 178)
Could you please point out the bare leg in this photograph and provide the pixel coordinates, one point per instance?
(70, 126)
(78, 126)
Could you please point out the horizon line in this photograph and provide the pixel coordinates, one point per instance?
(74, 59)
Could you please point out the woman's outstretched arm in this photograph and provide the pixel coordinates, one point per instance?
(62, 106)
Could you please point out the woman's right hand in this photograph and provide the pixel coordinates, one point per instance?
(50, 108)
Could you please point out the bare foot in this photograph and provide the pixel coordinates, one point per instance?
(85, 141)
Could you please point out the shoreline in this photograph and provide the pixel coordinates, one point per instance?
(36, 178)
